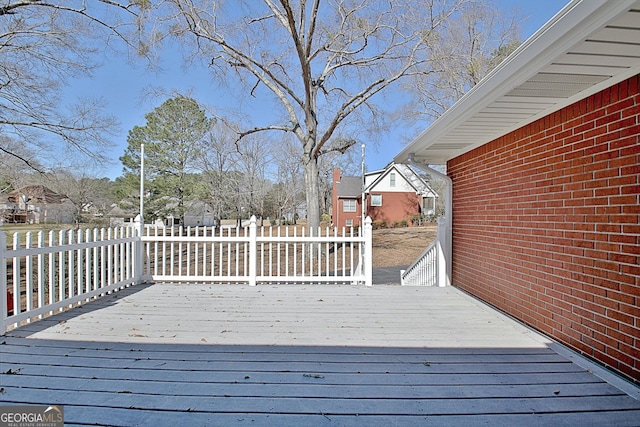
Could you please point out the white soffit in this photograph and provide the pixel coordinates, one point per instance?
(588, 46)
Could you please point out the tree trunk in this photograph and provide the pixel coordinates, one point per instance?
(311, 180)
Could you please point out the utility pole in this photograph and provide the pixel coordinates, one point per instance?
(364, 196)
(139, 247)
(141, 188)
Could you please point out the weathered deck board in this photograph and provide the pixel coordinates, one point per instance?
(338, 406)
(319, 389)
(133, 417)
(455, 361)
(384, 316)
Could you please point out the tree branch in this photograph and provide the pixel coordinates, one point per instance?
(22, 159)
(262, 129)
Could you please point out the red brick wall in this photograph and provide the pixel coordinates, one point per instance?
(340, 217)
(546, 225)
(395, 207)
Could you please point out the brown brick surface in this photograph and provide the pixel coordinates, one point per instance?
(547, 225)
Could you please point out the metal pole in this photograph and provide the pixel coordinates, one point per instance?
(364, 200)
(139, 246)
(141, 188)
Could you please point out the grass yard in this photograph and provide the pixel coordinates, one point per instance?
(401, 246)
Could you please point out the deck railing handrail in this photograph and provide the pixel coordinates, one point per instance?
(60, 270)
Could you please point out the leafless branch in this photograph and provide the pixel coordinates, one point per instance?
(22, 159)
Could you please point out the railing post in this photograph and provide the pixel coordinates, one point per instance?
(138, 250)
(3, 283)
(253, 249)
(441, 253)
(368, 254)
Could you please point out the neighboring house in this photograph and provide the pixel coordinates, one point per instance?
(197, 213)
(36, 204)
(93, 210)
(346, 200)
(299, 212)
(395, 195)
(123, 214)
(544, 161)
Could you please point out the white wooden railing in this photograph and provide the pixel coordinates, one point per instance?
(430, 268)
(255, 255)
(50, 274)
(45, 273)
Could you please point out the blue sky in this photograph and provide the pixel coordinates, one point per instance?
(122, 87)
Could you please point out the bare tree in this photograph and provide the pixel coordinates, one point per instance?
(17, 162)
(253, 161)
(322, 62)
(43, 46)
(81, 185)
(288, 177)
(471, 45)
(217, 164)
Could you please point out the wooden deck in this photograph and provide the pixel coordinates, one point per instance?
(171, 354)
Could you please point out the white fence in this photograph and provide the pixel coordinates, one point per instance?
(430, 267)
(255, 255)
(49, 274)
(55, 271)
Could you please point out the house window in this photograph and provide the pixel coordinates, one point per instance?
(349, 205)
(428, 205)
(392, 179)
(376, 200)
(348, 223)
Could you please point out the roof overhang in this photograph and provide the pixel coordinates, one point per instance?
(586, 47)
